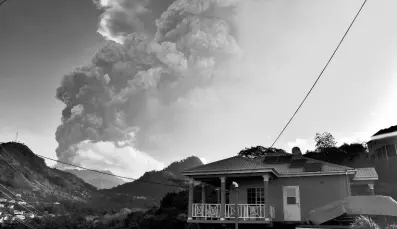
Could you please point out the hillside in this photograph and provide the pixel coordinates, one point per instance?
(172, 176)
(23, 172)
(98, 180)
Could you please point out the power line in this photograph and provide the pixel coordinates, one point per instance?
(20, 199)
(21, 206)
(129, 178)
(315, 82)
(9, 163)
(1, 3)
(318, 78)
(25, 223)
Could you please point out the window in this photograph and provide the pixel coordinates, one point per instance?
(291, 196)
(255, 195)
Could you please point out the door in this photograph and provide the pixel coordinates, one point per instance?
(291, 200)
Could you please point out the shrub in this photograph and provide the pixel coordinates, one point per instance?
(363, 222)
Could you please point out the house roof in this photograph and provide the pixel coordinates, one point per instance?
(386, 131)
(366, 174)
(238, 164)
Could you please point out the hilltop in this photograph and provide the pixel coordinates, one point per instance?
(171, 175)
(152, 186)
(23, 172)
(98, 180)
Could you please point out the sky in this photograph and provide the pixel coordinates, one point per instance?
(285, 45)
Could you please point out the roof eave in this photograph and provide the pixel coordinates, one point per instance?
(221, 172)
(365, 178)
(305, 174)
(308, 174)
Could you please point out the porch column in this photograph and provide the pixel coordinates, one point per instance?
(223, 197)
(218, 196)
(266, 188)
(203, 193)
(371, 189)
(190, 205)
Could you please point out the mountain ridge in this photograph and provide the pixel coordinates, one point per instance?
(98, 180)
(24, 172)
(155, 184)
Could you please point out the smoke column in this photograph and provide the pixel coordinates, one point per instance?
(143, 85)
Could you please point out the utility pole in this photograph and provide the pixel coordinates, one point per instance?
(236, 206)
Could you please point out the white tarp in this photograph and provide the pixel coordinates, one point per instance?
(354, 205)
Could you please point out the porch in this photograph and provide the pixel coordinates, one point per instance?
(250, 208)
(248, 213)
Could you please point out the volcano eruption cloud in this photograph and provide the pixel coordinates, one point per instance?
(145, 86)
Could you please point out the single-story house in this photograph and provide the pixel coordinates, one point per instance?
(278, 187)
(383, 144)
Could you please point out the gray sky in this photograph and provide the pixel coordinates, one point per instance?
(286, 44)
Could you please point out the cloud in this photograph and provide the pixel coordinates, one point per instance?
(354, 137)
(123, 17)
(145, 91)
(124, 161)
(203, 160)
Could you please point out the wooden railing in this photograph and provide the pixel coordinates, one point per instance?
(245, 211)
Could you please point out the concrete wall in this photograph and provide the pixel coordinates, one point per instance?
(315, 191)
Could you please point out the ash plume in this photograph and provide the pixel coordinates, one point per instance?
(139, 85)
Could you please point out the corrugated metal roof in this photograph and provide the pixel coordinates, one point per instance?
(365, 174)
(241, 164)
(228, 164)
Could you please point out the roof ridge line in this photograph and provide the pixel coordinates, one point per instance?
(203, 165)
(329, 163)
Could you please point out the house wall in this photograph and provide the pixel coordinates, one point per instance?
(315, 191)
(380, 147)
(360, 189)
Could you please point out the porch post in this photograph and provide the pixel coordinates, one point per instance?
(203, 193)
(371, 189)
(266, 188)
(190, 205)
(223, 197)
(218, 196)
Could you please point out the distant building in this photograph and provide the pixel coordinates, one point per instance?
(1, 205)
(16, 212)
(2, 200)
(18, 195)
(11, 201)
(383, 144)
(21, 217)
(22, 203)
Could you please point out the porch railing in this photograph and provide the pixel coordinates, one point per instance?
(206, 211)
(245, 211)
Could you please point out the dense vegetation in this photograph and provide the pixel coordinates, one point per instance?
(170, 214)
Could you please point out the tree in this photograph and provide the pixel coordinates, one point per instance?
(324, 141)
(259, 151)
